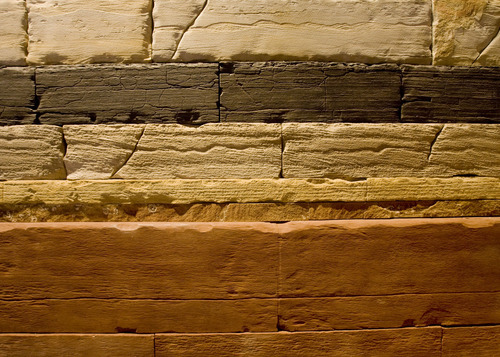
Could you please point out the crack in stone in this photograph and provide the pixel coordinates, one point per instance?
(434, 142)
(131, 153)
(188, 27)
(497, 33)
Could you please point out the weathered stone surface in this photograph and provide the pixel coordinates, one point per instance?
(17, 95)
(75, 31)
(138, 261)
(247, 191)
(480, 341)
(354, 31)
(466, 32)
(244, 212)
(305, 91)
(31, 152)
(138, 316)
(209, 151)
(354, 151)
(185, 93)
(448, 94)
(425, 342)
(362, 312)
(22, 345)
(404, 256)
(13, 36)
(96, 152)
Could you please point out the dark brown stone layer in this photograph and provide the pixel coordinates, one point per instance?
(17, 95)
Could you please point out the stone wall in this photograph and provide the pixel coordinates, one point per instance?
(250, 178)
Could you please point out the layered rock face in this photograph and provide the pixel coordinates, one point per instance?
(250, 178)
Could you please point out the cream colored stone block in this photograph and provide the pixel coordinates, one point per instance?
(209, 151)
(466, 32)
(96, 152)
(75, 31)
(31, 152)
(337, 30)
(13, 36)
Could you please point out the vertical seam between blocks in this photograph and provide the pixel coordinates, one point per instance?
(152, 28)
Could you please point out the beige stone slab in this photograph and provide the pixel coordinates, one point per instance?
(210, 151)
(363, 312)
(466, 32)
(74, 32)
(78, 345)
(352, 31)
(96, 152)
(480, 341)
(381, 257)
(13, 36)
(424, 342)
(31, 152)
(138, 260)
(137, 316)
(354, 151)
(247, 191)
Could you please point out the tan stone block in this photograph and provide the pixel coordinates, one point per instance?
(381, 257)
(137, 316)
(13, 36)
(466, 32)
(139, 260)
(73, 31)
(97, 152)
(478, 341)
(354, 31)
(363, 312)
(22, 345)
(206, 152)
(31, 152)
(425, 342)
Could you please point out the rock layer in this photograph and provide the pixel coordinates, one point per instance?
(13, 36)
(17, 96)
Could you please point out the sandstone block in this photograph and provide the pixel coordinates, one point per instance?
(128, 94)
(349, 258)
(209, 151)
(363, 312)
(466, 32)
(17, 95)
(138, 261)
(21, 345)
(284, 91)
(451, 94)
(31, 152)
(424, 342)
(74, 32)
(96, 152)
(481, 341)
(137, 316)
(13, 36)
(353, 31)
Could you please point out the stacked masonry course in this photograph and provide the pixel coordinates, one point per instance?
(250, 178)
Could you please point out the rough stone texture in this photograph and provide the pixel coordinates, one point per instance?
(96, 152)
(75, 31)
(17, 95)
(304, 91)
(186, 93)
(448, 94)
(13, 36)
(372, 257)
(424, 342)
(209, 151)
(245, 212)
(137, 316)
(471, 341)
(362, 312)
(247, 191)
(31, 152)
(22, 345)
(352, 31)
(138, 261)
(466, 32)
(355, 151)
